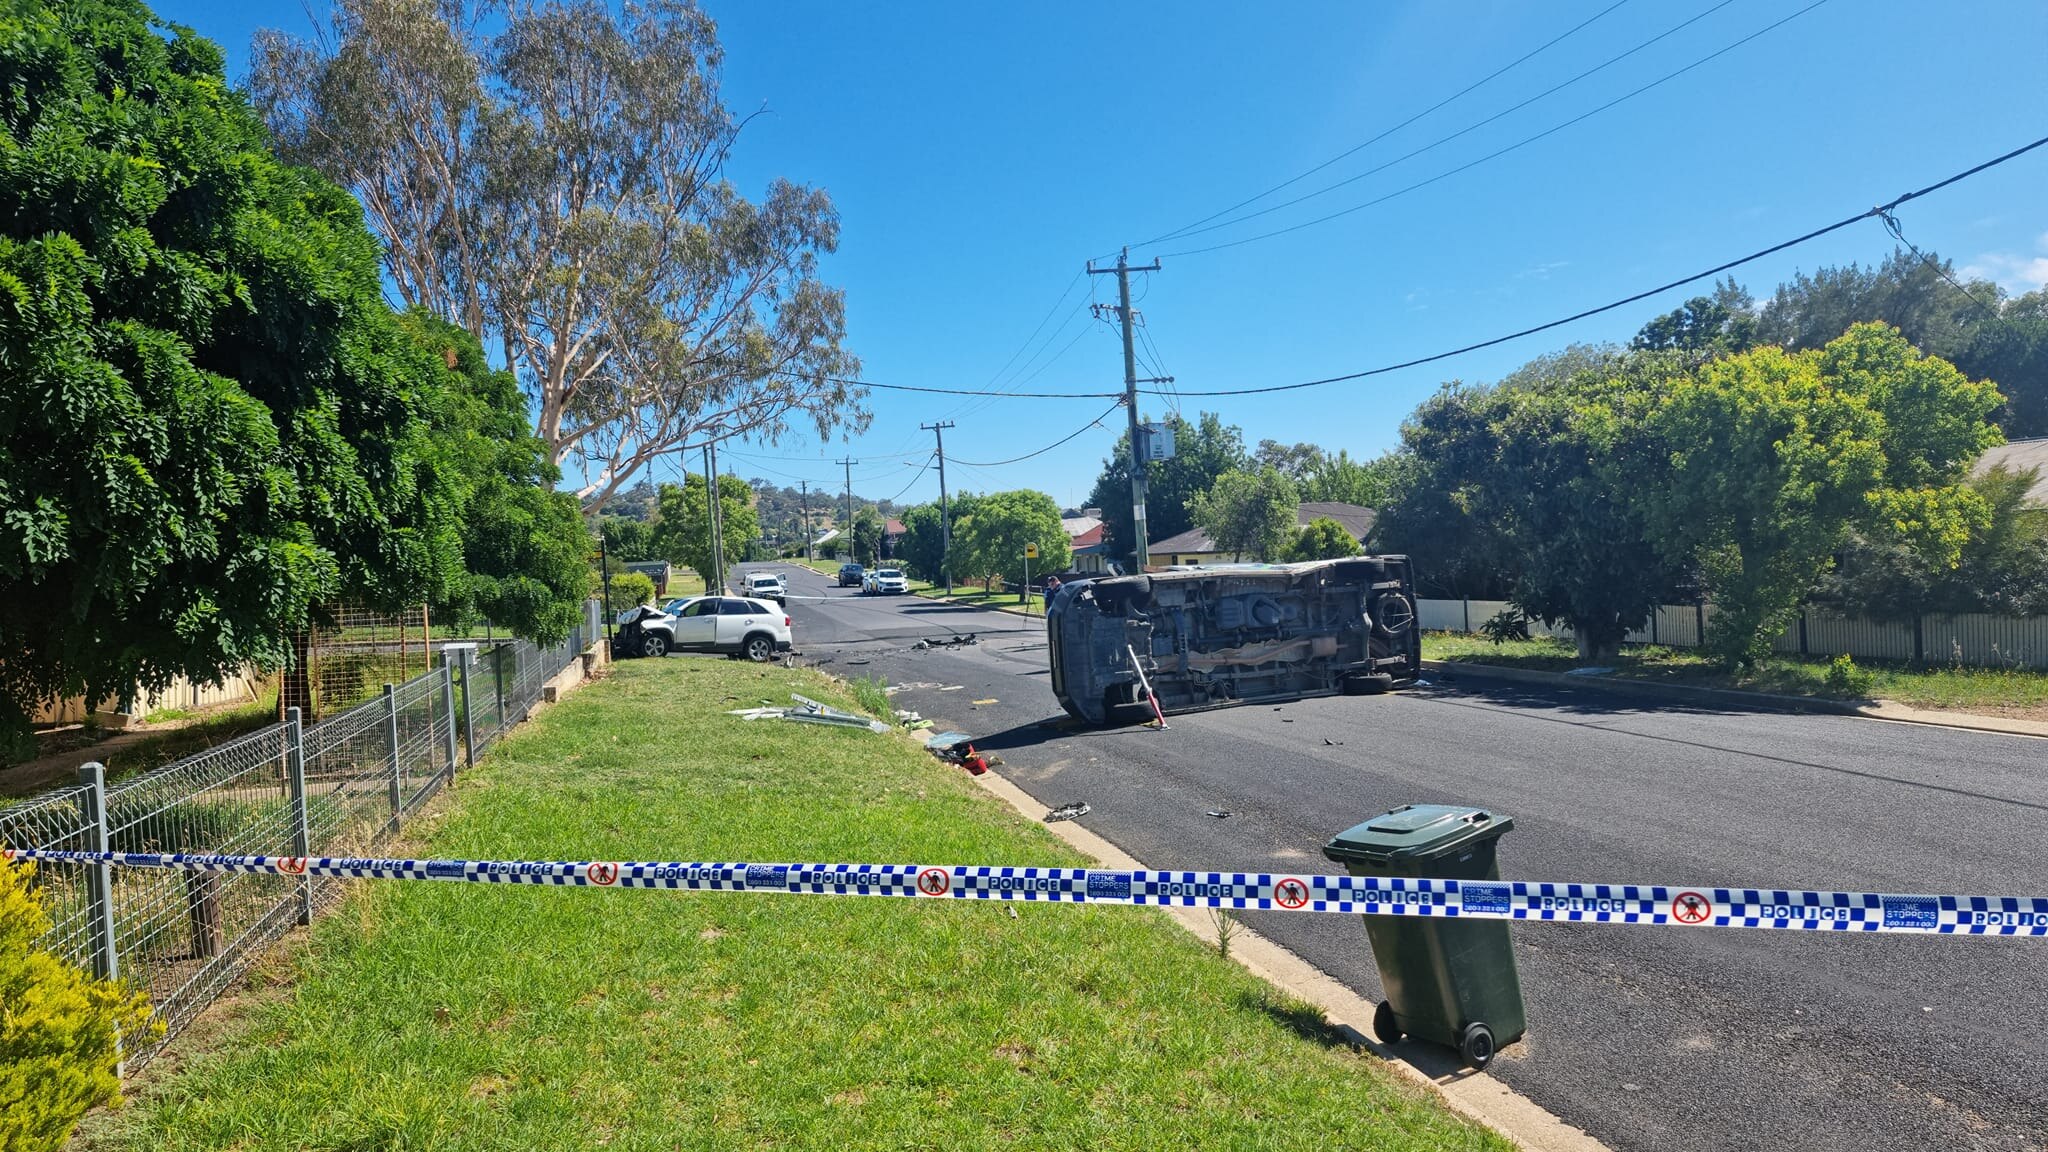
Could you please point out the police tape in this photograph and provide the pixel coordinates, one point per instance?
(1697, 906)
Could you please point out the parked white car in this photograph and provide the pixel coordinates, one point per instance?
(768, 586)
(737, 625)
(887, 582)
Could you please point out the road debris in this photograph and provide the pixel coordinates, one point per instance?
(1220, 814)
(979, 703)
(809, 711)
(1067, 811)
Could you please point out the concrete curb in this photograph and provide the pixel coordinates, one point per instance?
(1474, 1095)
(1756, 701)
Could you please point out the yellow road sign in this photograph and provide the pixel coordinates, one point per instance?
(1031, 551)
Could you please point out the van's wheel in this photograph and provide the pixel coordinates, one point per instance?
(759, 648)
(1370, 684)
(1384, 1026)
(653, 644)
(1476, 1046)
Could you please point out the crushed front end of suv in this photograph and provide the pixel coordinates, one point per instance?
(1210, 635)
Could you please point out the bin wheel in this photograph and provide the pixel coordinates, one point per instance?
(1384, 1025)
(1476, 1046)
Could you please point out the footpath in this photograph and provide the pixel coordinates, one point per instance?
(474, 1017)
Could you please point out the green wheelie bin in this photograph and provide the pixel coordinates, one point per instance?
(1447, 980)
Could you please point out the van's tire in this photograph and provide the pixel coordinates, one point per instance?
(1369, 684)
(1393, 614)
(758, 647)
(653, 645)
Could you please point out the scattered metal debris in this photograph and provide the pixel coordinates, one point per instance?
(979, 703)
(1067, 811)
(809, 711)
(1329, 743)
(1220, 814)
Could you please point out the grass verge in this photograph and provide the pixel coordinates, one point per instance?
(2017, 692)
(438, 1016)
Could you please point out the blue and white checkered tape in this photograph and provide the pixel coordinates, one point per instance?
(1699, 906)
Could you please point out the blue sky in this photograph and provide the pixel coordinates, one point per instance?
(980, 154)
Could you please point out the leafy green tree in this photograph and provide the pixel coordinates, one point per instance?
(212, 421)
(1776, 456)
(550, 176)
(683, 534)
(1323, 539)
(626, 538)
(1905, 291)
(2012, 352)
(1704, 326)
(525, 549)
(1539, 485)
(1249, 512)
(2003, 568)
(1366, 483)
(988, 543)
(1434, 513)
(1203, 451)
(867, 537)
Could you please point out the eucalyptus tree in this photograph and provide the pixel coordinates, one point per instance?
(552, 179)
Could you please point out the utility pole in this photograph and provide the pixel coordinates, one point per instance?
(807, 518)
(1123, 272)
(945, 524)
(849, 462)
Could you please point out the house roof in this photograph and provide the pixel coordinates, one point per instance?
(1355, 518)
(894, 527)
(2018, 456)
(1085, 537)
(1080, 525)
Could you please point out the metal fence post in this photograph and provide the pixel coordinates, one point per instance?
(498, 675)
(465, 655)
(1467, 601)
(448, 686)
(302, 833)
(99, 876)
(391, 742)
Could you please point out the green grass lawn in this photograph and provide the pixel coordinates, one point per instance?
(440, 1016)
(2005, 691)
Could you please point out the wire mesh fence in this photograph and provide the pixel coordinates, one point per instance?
(337, 788)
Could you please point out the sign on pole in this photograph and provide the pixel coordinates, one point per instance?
(1031, 551)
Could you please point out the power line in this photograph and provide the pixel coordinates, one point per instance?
(1490, 156)
(1880, 211)
(1468, 89)
(854, 383)
(1068, 291)
(914, 479)
(1891, 224)
(1049, 447)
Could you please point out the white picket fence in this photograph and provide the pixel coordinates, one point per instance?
(1975, 639)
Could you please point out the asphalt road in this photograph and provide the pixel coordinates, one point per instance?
(1648, 1038)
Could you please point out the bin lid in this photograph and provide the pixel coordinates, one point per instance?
(1416, 832)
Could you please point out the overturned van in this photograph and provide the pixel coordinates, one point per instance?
(1209, 635)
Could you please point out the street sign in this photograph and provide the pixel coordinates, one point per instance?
(1031, 551)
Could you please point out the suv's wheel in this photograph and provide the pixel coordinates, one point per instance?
(653, 644)
(760, 648)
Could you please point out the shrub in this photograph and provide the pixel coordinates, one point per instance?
(60, 1029)
(630, 590)
(1844, 677)
(1507, 624)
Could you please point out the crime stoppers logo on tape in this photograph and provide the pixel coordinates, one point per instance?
(1644, 904)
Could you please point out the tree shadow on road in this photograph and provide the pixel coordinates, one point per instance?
(1594, 700)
